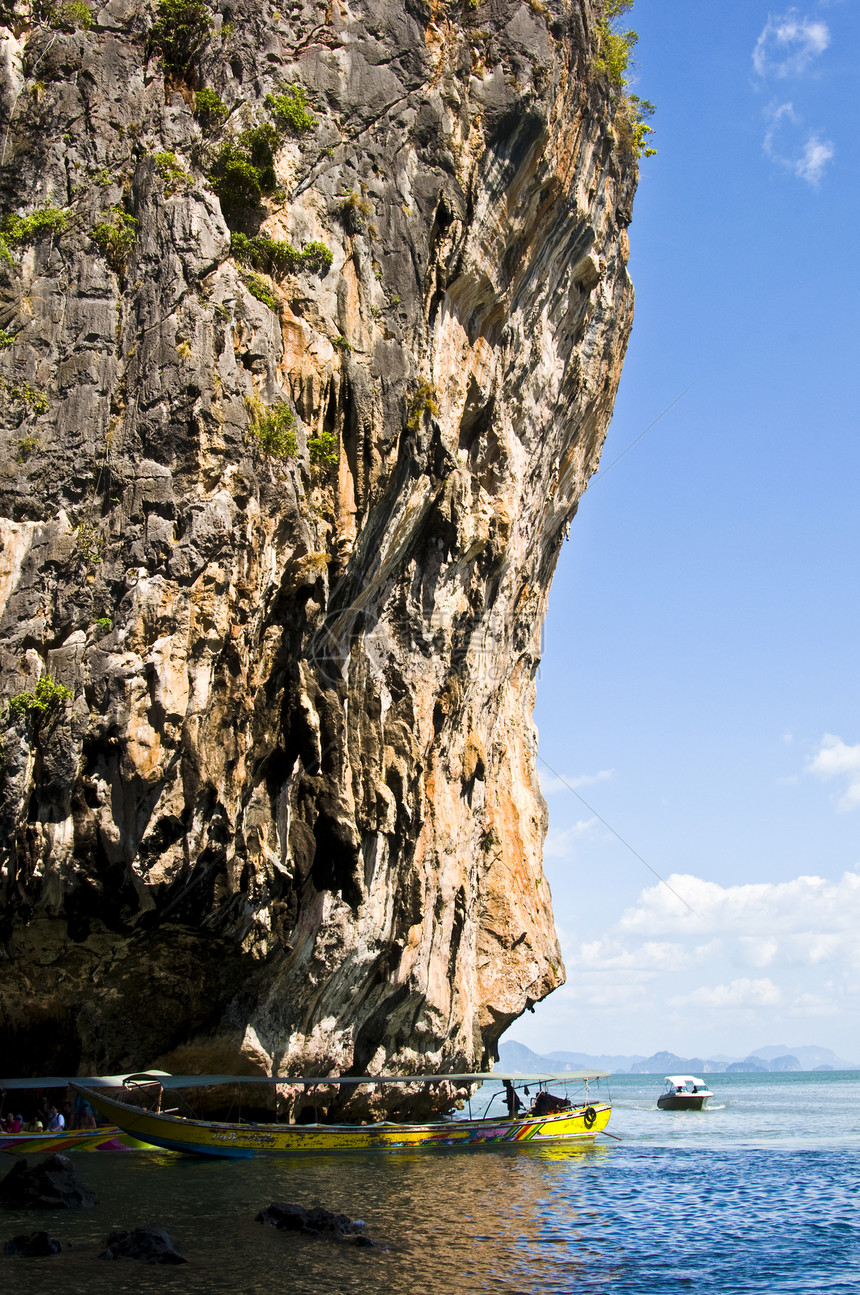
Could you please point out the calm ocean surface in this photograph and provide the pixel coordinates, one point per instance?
(760, 1193)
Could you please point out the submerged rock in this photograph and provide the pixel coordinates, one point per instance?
(52, 1185)
(147, 1245)
(316, 1221)
(33, 1245)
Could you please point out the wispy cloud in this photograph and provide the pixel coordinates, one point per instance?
(802, 931)
(754, 961)
(560, 845)
(813, 1005)
(757, 952)
(808, 922)
(816, 154)
(807, 160)
(802, 922)
(788, 45)
(611, 955)
(739, 993)
(551, 783)
(836, 759)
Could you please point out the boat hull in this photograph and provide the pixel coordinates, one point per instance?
(683, 1101)
(107, 1139)
(578, 1126)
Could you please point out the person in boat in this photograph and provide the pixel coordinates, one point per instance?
(56, 1121)
(511, 1098)
(548, 1104)
(82, 1115)
(14, 1124)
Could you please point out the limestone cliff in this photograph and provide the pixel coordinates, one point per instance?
(301, 381)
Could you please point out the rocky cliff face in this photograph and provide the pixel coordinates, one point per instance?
(301, 382)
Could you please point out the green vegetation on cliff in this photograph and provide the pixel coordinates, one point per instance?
(73, 15)
(115, 236)
(615, 47)
(210, 109)
(48, 695)
(276, 257)
(179, 33)
(323, 450)
(614, 54)
(19, 231)
(273, 426)
(290, 110)
(244, 168)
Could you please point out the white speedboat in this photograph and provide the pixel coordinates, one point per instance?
(684, 1093)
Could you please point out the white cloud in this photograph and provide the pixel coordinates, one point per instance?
(797, 929)
(610, 955)
(807, 160)
(813, 1005)
(560, 845)
(816, 154)
(835, 759)
(776, 114)
(789, 913)
(757, 952)
(788, 44)
(737, 994)
(753, 963)
(550, 783)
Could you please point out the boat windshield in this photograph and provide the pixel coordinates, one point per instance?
(685, 1084)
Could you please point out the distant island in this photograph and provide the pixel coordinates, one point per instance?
(778, 1059)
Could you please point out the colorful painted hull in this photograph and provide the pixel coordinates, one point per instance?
(109, 1139)
(207, 1138)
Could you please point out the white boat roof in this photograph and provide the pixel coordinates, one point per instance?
(94, 1081)
(685, 1079)
(209, 1081)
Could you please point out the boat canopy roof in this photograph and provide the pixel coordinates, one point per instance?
(681, 1080)
(210, 1081)
(94, 1081)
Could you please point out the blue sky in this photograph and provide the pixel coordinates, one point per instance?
(699, 683)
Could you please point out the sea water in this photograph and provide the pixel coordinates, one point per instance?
(758, 1193)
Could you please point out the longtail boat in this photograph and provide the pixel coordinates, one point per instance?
(574, 1124)
(106, 1138)
(111, 1138)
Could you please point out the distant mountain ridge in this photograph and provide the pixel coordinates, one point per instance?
(778, 1059)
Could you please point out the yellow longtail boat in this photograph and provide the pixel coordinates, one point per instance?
(573, 1124)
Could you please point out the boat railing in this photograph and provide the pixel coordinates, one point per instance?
(147, 1092)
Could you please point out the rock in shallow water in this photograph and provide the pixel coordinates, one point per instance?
(52, 1185)
(32, 1245)
(317, 1221)
(148, 1245)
